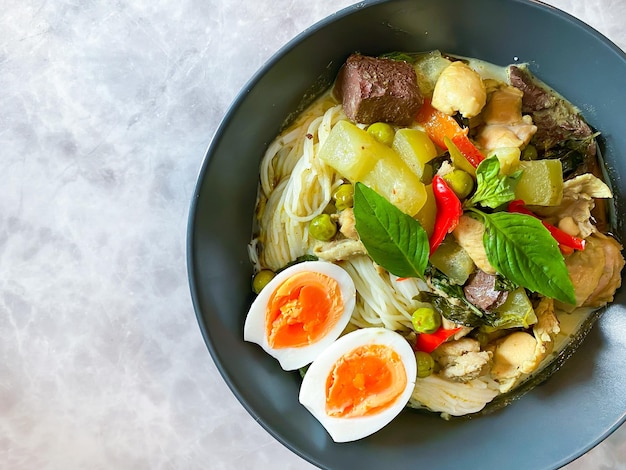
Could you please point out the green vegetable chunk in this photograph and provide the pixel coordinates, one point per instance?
(322, 228)
(359, 157)
(452, 260)
(415, 148)
(426, 320)
(541, 183)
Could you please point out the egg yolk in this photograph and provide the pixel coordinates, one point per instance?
(364, 381)
(302, 310)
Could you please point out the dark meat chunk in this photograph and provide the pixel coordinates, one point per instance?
(378, 90)
(556, 119)
(480, 291)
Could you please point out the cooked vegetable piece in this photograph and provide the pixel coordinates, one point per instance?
(415, 148)
(344, 196)
(261, 279)
(515, 312)
(322, 228)
(461, 182)
(449, 210)
(382, 132)
(425, 364)
(429, 342)
(426, 320)
(428, 212)
(453, 261)
(541, 183)
(358, 156)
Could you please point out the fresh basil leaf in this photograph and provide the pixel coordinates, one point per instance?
(394, 240)
(492, 188)
(521, 248)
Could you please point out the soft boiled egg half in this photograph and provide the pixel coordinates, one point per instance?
(360, 383)
(301, 311)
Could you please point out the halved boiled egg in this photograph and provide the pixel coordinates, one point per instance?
(360, 383)
(301, 311)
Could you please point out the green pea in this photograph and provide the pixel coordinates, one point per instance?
(261, 279)
(529, 153)
(461, 182)
(382, 132)
(322, 227)
(426, 320)
(344, 196)
(425, 364)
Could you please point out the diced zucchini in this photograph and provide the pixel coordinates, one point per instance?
(415, 148)
(358, 156)
(516, 312)
(428, 68)
(428, 212)
(452, 260)
(541, 183)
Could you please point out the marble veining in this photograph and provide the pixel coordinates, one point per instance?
(106, 110)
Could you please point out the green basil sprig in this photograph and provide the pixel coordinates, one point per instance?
(393, 239)
(519, 247)
(492, 188)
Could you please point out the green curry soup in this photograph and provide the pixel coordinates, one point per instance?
(466, 203)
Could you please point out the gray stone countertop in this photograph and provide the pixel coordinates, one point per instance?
(106, 110)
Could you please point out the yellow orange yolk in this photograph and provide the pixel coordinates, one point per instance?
(364, 381)
(302, 310)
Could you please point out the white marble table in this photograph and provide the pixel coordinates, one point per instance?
(106, 109)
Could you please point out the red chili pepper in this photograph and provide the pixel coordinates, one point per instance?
(439, 125)
(468, 149)
(429, 342)
(449, 210)
(566, 241)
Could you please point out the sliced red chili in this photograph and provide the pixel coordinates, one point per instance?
(449, 210)
(566, 241)
(428, 342)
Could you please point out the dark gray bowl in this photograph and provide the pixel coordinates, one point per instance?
(553, 424)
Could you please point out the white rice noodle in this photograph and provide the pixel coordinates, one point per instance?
(296, 186)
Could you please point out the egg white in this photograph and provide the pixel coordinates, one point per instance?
(313, 389)
(294, 358)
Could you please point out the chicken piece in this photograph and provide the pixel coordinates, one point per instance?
(545, 330)
(462, 360)
(595, 272)
(578, 201)
(347, 224)
(338, 250)
(459, 88)
(504, 125)
(511, 354)
(469, 234)
(611, 278)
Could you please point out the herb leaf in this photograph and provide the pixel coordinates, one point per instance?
(492, 188)
(522, 249)
(393, 239)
